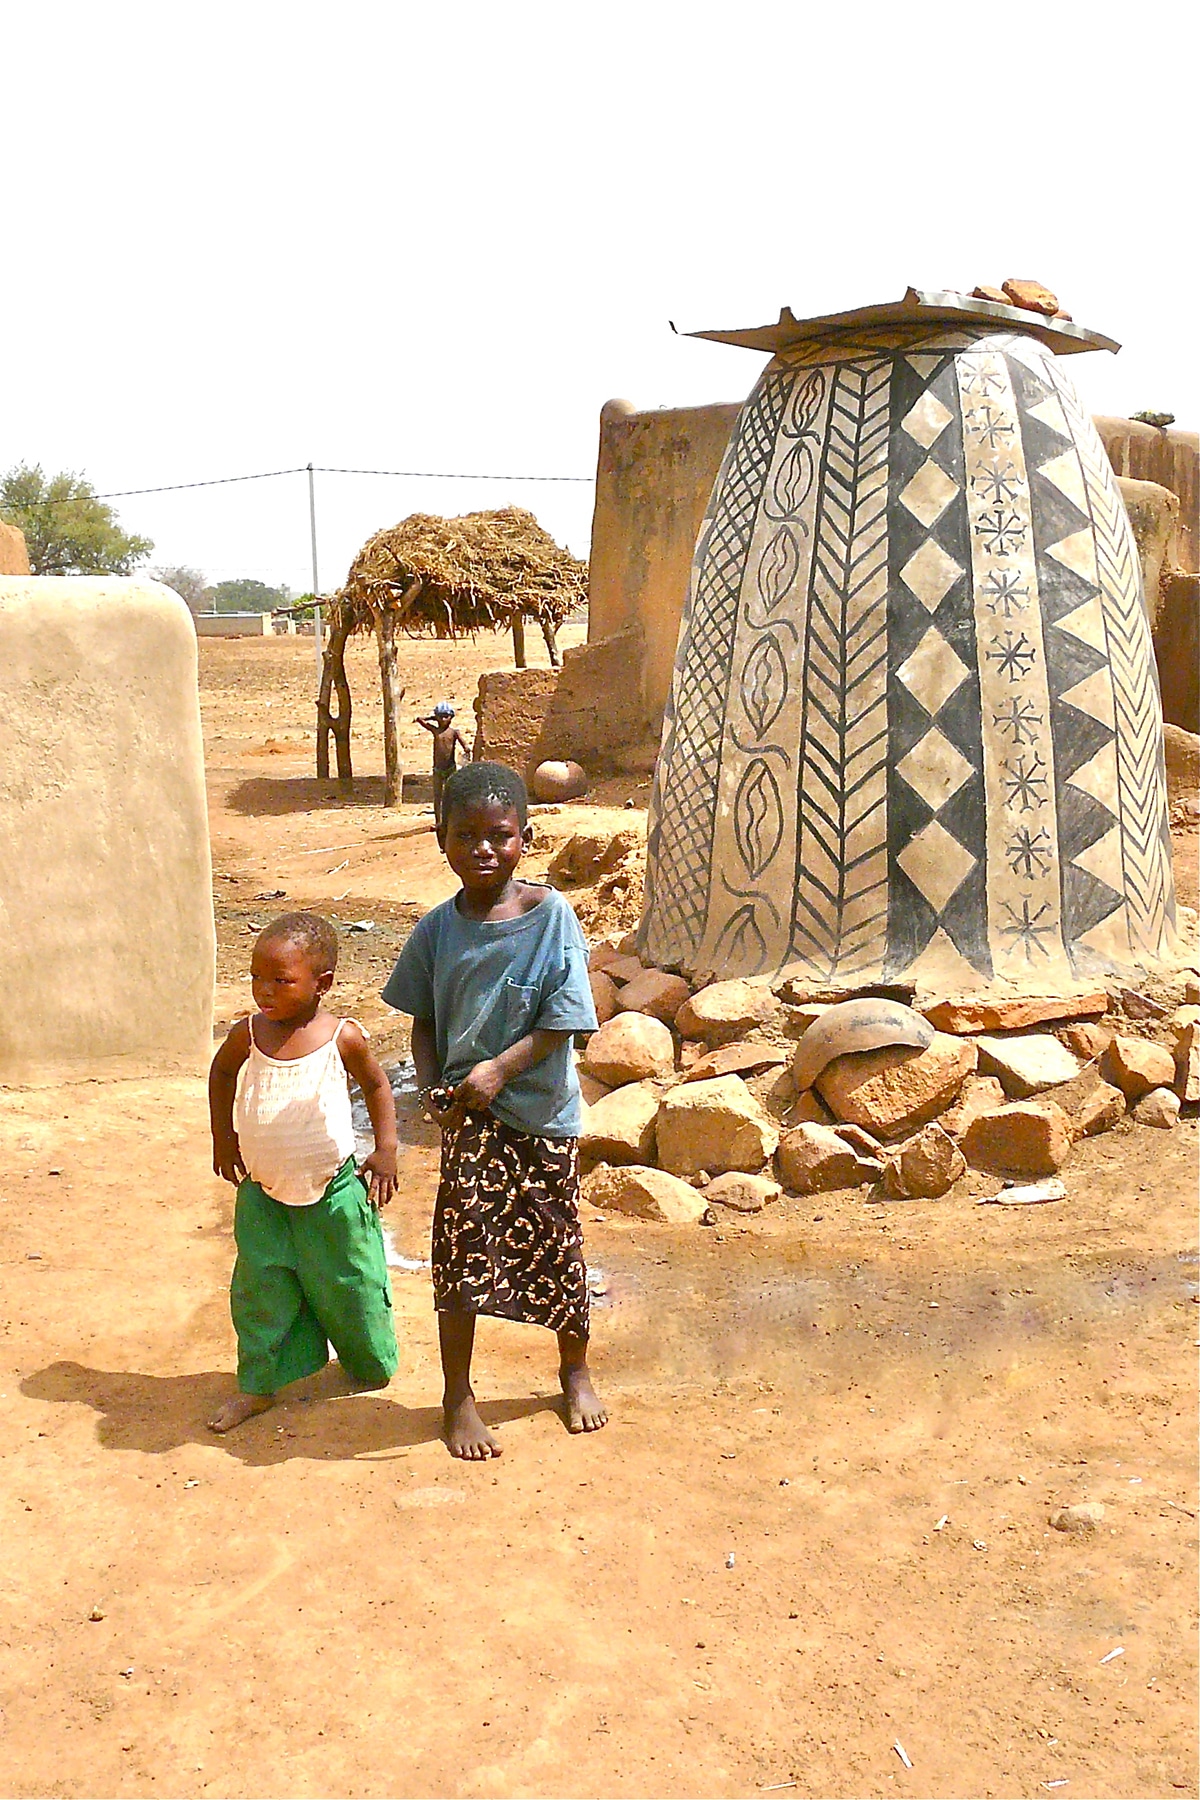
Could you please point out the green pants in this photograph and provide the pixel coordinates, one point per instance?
(307, 1277)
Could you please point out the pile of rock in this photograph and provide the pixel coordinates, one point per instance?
(730, 1092)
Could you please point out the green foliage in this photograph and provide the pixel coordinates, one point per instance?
(67, 530)
(189, 584)
(246, 595)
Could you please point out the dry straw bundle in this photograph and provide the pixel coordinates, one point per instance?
(475, 573)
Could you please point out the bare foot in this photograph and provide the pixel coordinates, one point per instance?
(235, 1412)
(585, 1411)
(467, 1436)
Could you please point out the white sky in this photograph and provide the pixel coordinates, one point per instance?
(243, 236)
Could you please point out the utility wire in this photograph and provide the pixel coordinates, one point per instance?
(177, 487)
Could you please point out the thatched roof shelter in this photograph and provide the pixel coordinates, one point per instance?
(449, 578)
(476, 573)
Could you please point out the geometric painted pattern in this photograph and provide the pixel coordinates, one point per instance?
(914, 725)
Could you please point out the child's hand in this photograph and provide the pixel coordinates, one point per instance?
(227, 1159)
(477, 1091)
(379, 1172)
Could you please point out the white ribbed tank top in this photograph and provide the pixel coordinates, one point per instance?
(293, 1120)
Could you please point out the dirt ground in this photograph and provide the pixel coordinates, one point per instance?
(815, 1531)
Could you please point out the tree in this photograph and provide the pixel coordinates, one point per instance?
(189, 584)
(67, 530)
(247, 595)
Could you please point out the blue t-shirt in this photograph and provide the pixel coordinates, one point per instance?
(487, 983)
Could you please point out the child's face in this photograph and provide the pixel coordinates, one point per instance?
(284, 982)
(483, 843)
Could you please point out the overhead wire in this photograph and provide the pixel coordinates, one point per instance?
(176, 487)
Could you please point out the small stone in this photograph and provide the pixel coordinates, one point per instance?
(809, 1109)
(655, 993)
(602, 954)
(813, 1159)
(645, 1193)
(980, 1094)
(735, 1059)
(716, 1125)
(1086, 1515)
(628, 945)
(1135, 1066)
(630, 1047)
(726, 1010)
(620, 1128)
(96, 1614)
(690, 1053)
(896, 1090)
(624, 970)
(1136, 1005)
(1087, 1040)
(924, 1168)
(1182, 1019)
(991, 293)
(1071, 1095)
(1030, 1137)
(1160, 1108)
(1191, 991)
(1103, 1108)
(1027, 1065)
(858, 1139)
(1032, 296)
(967, 1016)
(798, 1019)
(743, 1192)
(604, 995)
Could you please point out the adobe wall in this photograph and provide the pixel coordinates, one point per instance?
(1169, 457)
(654, 473)
(14, 557)
(583, 712)
(105, 882)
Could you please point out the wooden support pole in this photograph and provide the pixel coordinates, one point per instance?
(551, 637)
(386, 632)
(334, 681)
(518, 634)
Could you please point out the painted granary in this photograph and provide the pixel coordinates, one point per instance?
(914, 729)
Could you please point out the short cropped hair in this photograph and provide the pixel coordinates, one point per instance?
(480, 782)
(310, 933)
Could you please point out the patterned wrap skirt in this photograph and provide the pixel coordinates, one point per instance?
(506, 1234)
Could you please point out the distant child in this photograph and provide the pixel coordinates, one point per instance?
(311, 1269)
(447, 741)
(496, 982)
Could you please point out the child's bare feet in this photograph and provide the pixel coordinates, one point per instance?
(585, 1410)
(467, 1436)
(242, 1407)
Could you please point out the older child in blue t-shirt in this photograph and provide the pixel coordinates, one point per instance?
(496, 982)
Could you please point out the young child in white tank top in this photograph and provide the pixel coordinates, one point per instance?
(311, 1269)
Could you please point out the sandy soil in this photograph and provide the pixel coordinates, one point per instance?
(816, 1527)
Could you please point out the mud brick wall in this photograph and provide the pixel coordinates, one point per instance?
(587, 711)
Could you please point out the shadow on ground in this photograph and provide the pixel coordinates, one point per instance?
(317, 1419)
(269, 796)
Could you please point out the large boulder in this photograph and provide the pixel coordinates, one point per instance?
(645, 1193)
(813, 1159)
(714, 1125)
(1136, 1065)
(604, 996)
(1026, 1065)
(620, 1127)
(894, 1091)
(924, 1168)
(980, 1094)
(1100, 1110)
(1030, 1137)
(655, 993)
(726, 1010)
(631, 1047)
